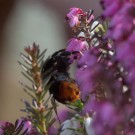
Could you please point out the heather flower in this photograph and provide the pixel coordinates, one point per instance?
(110, 113)
(99, 87)
(73, 16)
(27, 124)
(4, 125)
(64, 114)
(76, 45)
(101, 78)
(31, 130)
(22, 125)
(77, 125)
(121, 28)
(121, 31)
(84, 82)
(130, 79)
(88, 125)
(128, 49)
(87, 70)
(111, 7)
(112, 117)
(70, 127)
(52, 130)
(90, 18)
(79, 19)
(131, 75)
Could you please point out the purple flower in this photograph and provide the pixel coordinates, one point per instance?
(91, 18)
(31, 130)
(106, 72)
(22, 125)
(127, 60)
(73, 16)
(77, 45)
(83, 78)
(99, 89)
(27, 124)
(90, 105)
(111, 7)
(122, 24)
(64, 114)
(52, 130)
(4, 125)
(85, 74)
(108, 115)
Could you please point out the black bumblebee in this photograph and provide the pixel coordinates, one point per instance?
(62, 86)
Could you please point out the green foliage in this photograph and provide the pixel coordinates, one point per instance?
(39, 111)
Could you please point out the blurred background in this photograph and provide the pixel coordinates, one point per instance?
(23, 22)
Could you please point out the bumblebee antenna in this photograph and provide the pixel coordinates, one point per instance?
(55, 108)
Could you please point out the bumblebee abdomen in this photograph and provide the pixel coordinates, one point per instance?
(68, 91)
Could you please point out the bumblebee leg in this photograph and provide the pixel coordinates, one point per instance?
(53, 102)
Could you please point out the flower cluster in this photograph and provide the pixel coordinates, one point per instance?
(22, 126)
(78, 18)
(121, 32)
(105, 70)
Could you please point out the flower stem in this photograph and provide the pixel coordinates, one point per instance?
(38, 114)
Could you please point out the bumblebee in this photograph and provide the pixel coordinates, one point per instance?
(61, 85)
